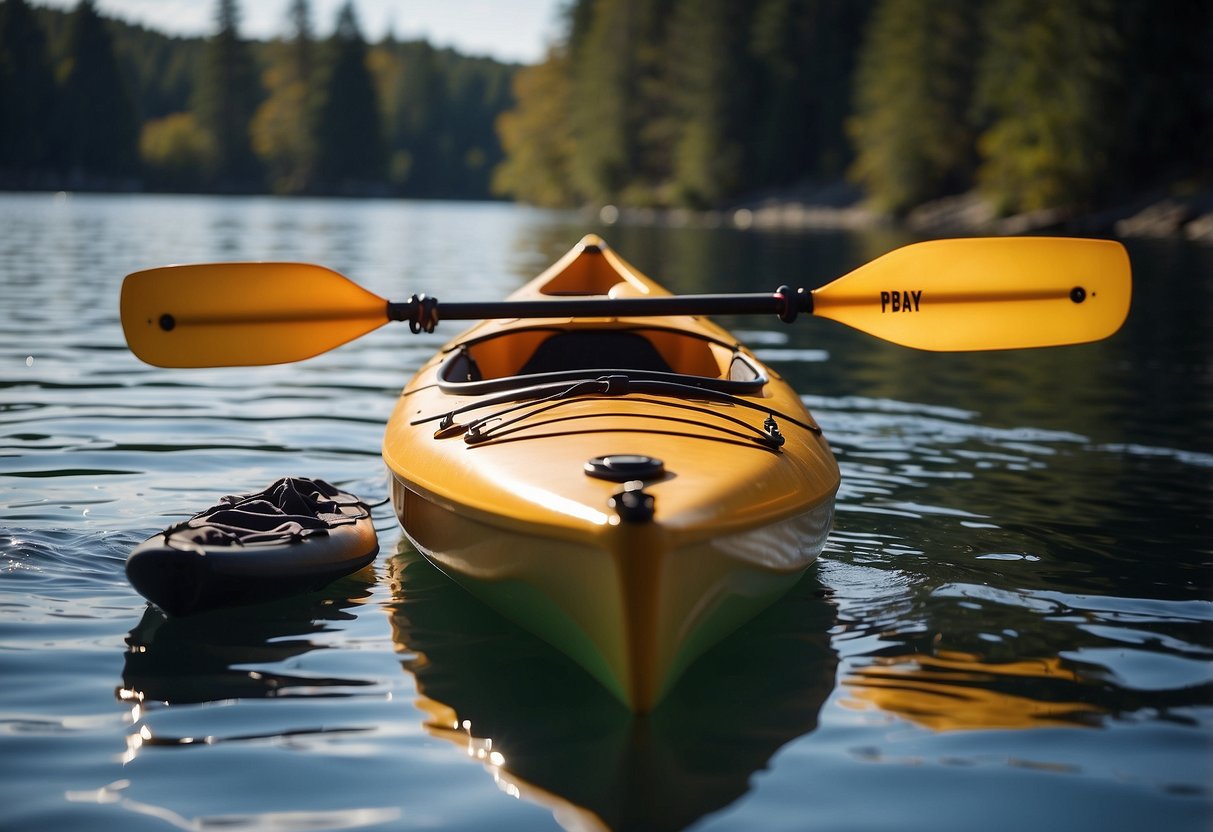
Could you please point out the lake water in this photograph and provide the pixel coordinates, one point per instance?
(1011, 626)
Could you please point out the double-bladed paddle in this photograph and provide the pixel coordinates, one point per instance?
(950, 295)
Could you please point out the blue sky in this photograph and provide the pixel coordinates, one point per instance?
(509, 30)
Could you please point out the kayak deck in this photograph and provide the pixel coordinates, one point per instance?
(631, 490)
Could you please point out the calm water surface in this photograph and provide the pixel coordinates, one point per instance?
(1012, 624)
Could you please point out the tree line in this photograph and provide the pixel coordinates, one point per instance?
(94, 103)
(1036, 103)
(699, 103)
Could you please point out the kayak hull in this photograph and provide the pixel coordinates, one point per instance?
(183, 581)
(631, 611)
(497, 450)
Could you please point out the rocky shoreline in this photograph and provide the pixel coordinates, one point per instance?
(1158, 216)
(841, 206)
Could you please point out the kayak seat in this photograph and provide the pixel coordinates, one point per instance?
(595, 350)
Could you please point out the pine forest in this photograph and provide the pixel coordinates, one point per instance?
(1033, 104)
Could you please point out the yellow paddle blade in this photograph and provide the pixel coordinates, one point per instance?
(986, 293)
(241, 314)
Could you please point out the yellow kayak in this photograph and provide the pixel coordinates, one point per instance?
(629, 489)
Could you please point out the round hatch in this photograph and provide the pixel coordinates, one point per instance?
(625, 467)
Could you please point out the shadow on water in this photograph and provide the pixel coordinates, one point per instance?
(550, 734)
(205, 657)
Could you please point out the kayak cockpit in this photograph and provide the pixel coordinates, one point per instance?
(531, 356)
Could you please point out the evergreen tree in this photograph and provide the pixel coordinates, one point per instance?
(284, 126)
(27, 93)
(418, 128)
(302, 39)
(601, 90)
(710, 93)
(805, 53)
(1048, 87)
(439, 118)
(651, 104)
(1164, 93)
(913, 128)
(102, 130)
(474, 87)
(225, 99)
(349, 152)
(536, 137)
(160, 70)
(616, 66)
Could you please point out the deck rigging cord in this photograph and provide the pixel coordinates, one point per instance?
(542, 397)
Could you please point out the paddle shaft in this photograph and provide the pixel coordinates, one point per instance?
(423, 312)
(783, 303)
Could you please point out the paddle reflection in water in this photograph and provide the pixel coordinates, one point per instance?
(977, 663)
(952, 691)
(547, 732)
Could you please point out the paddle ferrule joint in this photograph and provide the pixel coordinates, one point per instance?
(421, 312)
(790, 304)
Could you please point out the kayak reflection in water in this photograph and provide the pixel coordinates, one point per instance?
(549, 733)
(205, 657)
